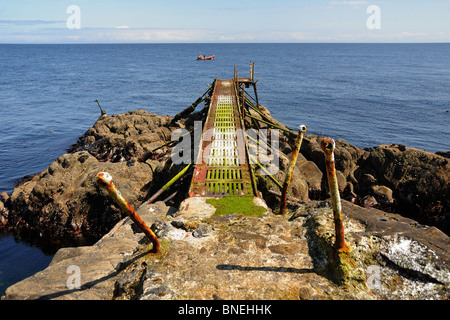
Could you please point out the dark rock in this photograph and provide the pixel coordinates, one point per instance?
(63, 204)
(310, 148)
(444, 154)
(382, 194)
(313, 177)
(369, 201)
(187, 225)
(201, 231)
(347, 158)
(419, 182)
(369, 179)
(159, 227)
(298, 187)
(3, 214)
(4, 197)
(124, 137)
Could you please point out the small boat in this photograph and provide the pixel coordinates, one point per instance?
(203, 57)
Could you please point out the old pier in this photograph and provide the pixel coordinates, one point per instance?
(178, 254)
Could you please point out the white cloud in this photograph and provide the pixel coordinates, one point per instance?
(30, 22)
(399, 36)
(412, 34)
(131, 35)
(349, 3)
(150, 35)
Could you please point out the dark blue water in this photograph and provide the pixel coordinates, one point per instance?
(367, 94)
(19, 260)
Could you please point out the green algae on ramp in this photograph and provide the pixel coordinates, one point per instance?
(244, 205)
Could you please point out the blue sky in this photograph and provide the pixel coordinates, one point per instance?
(44, 21)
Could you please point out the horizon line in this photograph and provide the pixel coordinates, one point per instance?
(181, 42)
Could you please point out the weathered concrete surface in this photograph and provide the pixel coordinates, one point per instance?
(245, 257)
(98, 265)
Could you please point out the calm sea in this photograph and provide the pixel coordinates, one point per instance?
(367, 94)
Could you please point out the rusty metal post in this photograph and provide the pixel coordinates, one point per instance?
(168, 184)
(101, 110)
(289, 172)
(253, 72)
(266, 172)
(104, 181)
(327, 145)
(243, 98)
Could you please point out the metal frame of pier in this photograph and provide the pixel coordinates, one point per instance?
(222, 166)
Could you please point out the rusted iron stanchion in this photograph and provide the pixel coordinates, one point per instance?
(253, 72)
(194, 105)
(168, 184)
(288, 131)
(290, 170)
(104, 181)
(266, 172)
(328, 145)
(101, 110)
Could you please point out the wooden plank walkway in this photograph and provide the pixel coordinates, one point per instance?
(222, 166)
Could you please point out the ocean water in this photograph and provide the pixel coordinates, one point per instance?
(366, 94)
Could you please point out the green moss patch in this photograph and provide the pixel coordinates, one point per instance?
(236, 204)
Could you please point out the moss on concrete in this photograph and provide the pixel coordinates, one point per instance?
(340, 267)
(243, 205)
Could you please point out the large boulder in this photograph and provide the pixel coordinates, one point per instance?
(313, 177)
(393, 178)
(125, 136)
(398, 179)
(62, 204)
(419, 181)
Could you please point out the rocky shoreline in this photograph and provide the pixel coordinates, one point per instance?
(397, 198)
